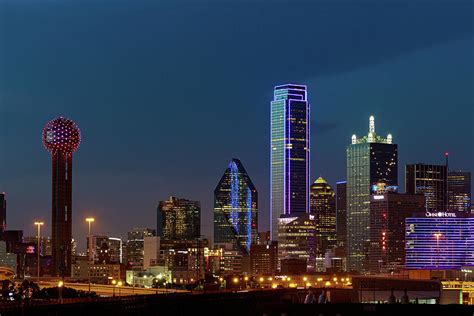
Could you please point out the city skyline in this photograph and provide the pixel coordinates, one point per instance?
(342, 95)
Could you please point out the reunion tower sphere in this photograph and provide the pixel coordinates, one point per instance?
(61, 135)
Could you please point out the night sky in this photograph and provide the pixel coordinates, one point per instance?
(166, 94)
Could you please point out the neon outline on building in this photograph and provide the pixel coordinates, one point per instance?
(289, 153)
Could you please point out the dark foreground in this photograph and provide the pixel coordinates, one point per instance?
(269, 303)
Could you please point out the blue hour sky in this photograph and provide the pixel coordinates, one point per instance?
(167, 92)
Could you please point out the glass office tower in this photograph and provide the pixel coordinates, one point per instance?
(323, 207)
(235, 208)
(459, 191)
(430, 180)
(179, 219)
(290, 144)
(371, 167)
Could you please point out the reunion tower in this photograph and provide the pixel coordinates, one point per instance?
(61, 137)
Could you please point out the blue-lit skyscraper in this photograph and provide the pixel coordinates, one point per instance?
(235, 208)
(289, 153)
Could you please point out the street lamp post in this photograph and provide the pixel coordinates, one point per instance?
(113, 286)
(437, 235)
(60, 291)
(38, 247)
(89, 220)
(119, 284)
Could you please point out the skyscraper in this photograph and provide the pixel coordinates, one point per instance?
(430, 180)
(459, 191)
(439, 243)
(61, 137)
(235, 208)
(3, 213)
(179, 219)
(289, 153)
(297, 239)
(135, 245)
(341, 215)
(323, 206)
(371, 163)
(388, 213)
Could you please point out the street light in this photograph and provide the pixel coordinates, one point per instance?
(437, 235)
(89, 220)
(38, 246)
(113, 286)
(60, 291)
(119, 284)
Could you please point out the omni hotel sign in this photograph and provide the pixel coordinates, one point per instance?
(440, 214)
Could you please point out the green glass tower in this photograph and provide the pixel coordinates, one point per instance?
(371, 168)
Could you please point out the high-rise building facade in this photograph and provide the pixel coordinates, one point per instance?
(264, 258)
(3, 213)
(106, 249)
(135, 245)
(371, 162)
(289, 153)
(323, 206)
(235, 208)
(388, 213)
(179, 219)
(439, 241)
(61, 137)
(297, 239)
(459, 191)
(341, 215)
(430, 180)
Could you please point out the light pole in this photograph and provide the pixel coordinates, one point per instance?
(89, 220)
(60, 291)
(437, 235)
(119, 284)
(113, 286)
(38, 247)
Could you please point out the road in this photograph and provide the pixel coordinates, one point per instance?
(109, 290)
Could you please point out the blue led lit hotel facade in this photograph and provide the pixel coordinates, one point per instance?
(436, 242)
(371, 163)
(290, 150)
(235, 209)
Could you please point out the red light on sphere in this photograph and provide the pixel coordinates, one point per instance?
(446, 154)
(61, 134)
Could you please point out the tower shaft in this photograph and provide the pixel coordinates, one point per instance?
(61, 213)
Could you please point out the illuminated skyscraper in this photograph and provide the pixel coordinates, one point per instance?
(135, 245)
(289, 153)
(235, 208)
(388, 213)
(323, 206)
(430, 180)
(297, 239)
(439, 243)
(61, 137)
(179, 219)
(3, 213)
(459, 191)
(371, 164)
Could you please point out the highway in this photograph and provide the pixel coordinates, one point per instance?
(110, 290)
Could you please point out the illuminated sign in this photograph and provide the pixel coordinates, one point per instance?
(378, 197)
(440, 214)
